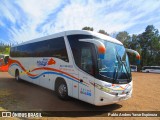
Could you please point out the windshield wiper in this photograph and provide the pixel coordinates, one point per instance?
(116, 73)
(127, 73)
(120, 66)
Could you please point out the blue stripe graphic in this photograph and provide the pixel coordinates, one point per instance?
(53, 73)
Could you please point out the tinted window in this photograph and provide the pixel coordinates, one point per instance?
(48, 48)
(6, 60)
(82, 53)
(86, 60)
(152, 67)
(145, 68)
(156, 68)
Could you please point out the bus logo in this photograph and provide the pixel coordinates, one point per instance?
(51, 62)
(45, 62)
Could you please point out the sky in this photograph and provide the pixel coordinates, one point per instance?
(23, 20)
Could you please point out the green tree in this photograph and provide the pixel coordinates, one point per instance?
(124, 37)
(4, 49)
(7, 50)
(103, 32)
(149, 41)
(88, 28)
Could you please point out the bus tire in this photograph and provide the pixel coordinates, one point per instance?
(17, 75)
(61, 89)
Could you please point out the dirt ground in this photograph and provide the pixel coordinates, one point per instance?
(24, 96)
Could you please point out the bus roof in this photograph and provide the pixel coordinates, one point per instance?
(99, 35)
(72, 32)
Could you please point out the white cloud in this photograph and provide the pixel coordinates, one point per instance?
(157, 25)
(141, 8)
(76, 16)
(5, 11)
(36, 12)
(112, 16)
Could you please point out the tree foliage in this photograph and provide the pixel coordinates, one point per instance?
(123, 37)
(88, 28)
(4, 49)
(149, 41)
(103, 32)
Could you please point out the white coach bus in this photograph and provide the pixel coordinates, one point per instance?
(89, 66)
(151, 69)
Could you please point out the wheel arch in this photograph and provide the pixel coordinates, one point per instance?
(68, 83)
(59, 79)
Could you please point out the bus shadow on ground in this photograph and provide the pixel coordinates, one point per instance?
(102, 111)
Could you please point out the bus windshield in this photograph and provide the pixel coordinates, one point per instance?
(115, 64)
(113, 68)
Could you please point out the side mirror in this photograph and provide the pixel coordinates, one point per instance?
(135, 53)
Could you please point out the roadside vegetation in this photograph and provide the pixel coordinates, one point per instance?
(4, 49)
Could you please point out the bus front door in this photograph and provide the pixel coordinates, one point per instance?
(86, 90)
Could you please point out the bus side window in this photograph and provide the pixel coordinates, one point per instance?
(6, 60)
(86, 60)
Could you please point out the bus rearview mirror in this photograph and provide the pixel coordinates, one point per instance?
(133, 52)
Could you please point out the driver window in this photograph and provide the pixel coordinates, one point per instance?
(6, 60)
(86, 60)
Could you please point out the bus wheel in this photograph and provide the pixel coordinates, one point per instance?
(17, 75)
(61, 89)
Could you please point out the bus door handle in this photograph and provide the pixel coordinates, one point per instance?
(81, 80)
